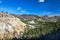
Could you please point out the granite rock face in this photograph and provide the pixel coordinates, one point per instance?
(10, 26)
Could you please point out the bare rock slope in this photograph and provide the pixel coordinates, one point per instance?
(10, 26)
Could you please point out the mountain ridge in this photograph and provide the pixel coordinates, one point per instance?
(47, 18)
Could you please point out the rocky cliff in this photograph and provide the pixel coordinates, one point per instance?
(10, 26)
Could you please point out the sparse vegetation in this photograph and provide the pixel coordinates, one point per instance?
(43, 28)
(39, 27)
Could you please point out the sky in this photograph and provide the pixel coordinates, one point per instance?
(35, 7)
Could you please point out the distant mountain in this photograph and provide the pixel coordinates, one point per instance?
(40, 18)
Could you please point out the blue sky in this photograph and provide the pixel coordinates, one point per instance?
(36, 7)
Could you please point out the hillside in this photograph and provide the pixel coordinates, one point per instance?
(10, 26)
(40, 18)
(39, 25)
(27, 26)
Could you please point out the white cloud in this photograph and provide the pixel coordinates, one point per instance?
(28, 13)
(41, 0)
(19, 8)
(49, 13)
(45, 13)
(22, 11)
(56, 14)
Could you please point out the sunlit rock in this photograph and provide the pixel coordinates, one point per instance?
(10, 26)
